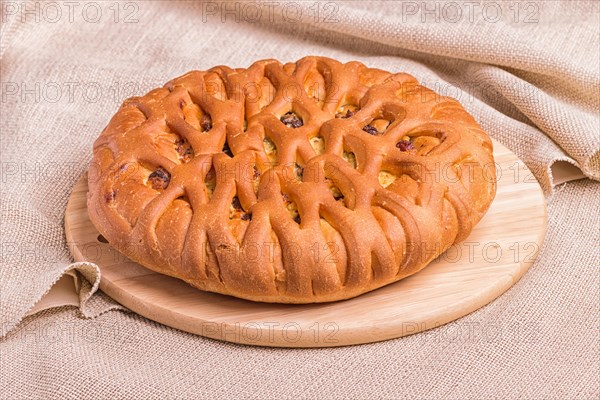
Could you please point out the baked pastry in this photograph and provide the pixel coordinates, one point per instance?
(306, 182)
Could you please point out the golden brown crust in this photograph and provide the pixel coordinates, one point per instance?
(306, 182)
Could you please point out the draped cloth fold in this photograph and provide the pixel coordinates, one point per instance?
(529, 72)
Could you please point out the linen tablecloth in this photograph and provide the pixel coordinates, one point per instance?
(528, 71)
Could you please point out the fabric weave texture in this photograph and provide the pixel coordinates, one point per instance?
(529, 72)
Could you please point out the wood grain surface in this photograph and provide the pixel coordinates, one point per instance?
(469, 275)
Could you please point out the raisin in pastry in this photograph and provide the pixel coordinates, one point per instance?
(303, 182)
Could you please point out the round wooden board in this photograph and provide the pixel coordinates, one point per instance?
(468, 276)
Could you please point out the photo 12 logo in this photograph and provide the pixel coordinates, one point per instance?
(270, 11)
(526, 12)
(271, 332)
(70, 11)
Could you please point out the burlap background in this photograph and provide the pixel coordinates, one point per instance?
(528, 71)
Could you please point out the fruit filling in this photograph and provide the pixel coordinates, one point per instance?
(346, 111)
(318, 144)
(291, 120)
(291, 207)
(210, 181)
(236, 211)
(350, 158)
(405, 144)
(159, 179)
(184, 150)
(386, 178)
(270, 149)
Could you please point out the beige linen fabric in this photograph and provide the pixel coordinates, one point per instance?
(528, 71)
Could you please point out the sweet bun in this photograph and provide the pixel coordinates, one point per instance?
(304, 182)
